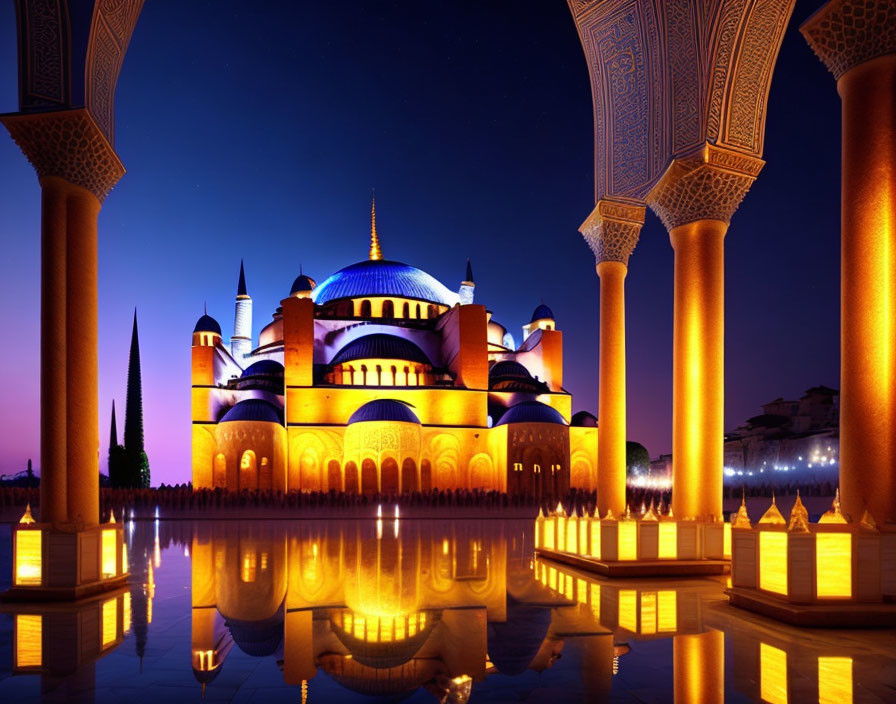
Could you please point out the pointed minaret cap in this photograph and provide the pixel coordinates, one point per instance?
(27, 518)
(799, 517)
(241, 291)
(468, 277)
(375, 252)
(741, 518)
(833, 514)
(773, 515)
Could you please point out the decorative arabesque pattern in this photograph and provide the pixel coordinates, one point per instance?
(707, 186)
(846, 33)
(672, 77)
(43, 63)
(68, 144)
(612, 230)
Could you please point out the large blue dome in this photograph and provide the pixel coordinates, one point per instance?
(531, 412)
(384, 409)
(380, 277)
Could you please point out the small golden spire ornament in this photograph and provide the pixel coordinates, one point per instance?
(741, 518)
(799, 517)
(376, 253)
(773, 515)
(833, 514)
(27, 518)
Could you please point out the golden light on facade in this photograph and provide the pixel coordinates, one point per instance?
(29, 640)
(29, 558)
(772, 674)
(773, 561)
(834, 680)
(594, 548)
(549, 534)
(110, 622)
(108, 553)
(833, 565)
(726, 539)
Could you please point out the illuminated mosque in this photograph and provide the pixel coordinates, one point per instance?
(382, 379)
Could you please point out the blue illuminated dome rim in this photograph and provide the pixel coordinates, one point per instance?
(380, 346)
(381, 277)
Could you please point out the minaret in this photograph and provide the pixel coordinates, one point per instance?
(375, 251)
(138, 466)
(113, 435)
(467, 286)
(241, 342)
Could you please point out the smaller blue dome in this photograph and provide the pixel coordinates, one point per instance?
(254, 409)
(509, 369)
(384, 409)
(263, 367)
(542, 313)
(302, 284)
(380, 346)
(531, 412)
(584, 419)
(207, 324)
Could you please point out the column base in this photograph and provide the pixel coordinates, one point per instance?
(56, 565)
(843, 615)
(639, 568)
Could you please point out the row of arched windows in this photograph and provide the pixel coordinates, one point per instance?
(409, 311)
(387, 478)
(380, 375)
(252, 474)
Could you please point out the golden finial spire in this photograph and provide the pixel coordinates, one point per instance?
(375, 252)
(27, 517)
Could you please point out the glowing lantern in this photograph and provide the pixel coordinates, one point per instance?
(773, 561)
(109, 566)
(594, 550)
(29, 557)
(628, 540)
(668, 540)
(833, 565)
(726, 550)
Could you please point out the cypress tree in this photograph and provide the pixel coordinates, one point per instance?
(137, 461)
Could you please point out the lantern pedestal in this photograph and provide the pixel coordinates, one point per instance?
(55, 565)
(629, 547)
(837, 575)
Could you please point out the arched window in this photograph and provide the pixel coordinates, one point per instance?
(388, 309)
(369, 483)
(363, 375)
(407, 376)
(219, 475)
(418, 310)
(265, 475)
(334, 476)
(409, 476)
(379, 375)
(365, 309)
(351, 478)
(248, 471)
(394, 380)
(406, 310)
(430, 311)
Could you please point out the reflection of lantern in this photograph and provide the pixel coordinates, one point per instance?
(109, 567)
(29, 640)
(834, 680)
(110, 622)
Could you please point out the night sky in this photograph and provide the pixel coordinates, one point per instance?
(257, 130)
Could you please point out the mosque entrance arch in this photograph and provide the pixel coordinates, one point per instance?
(248, 471)
(351, 478)
(409, 476)
(389, 476)
(369, 483)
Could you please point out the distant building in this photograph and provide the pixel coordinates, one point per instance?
(382, 379)
(788, 437)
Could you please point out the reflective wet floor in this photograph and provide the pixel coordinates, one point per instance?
(415, 611)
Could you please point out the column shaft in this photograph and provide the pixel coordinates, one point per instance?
(698, 369)
(82, 377)
(868, 290)
(53, 462)
(611, 393)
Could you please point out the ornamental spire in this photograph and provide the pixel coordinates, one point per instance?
(375, 252)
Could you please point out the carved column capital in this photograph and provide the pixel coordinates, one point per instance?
(612, 229)
(846, 33)
(68, 144)
(706, 185)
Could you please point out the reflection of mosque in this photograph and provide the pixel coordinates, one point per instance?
(382, 608)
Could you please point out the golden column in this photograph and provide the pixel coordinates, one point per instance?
(612, 232)
(76, 167)
(857, 41)
(695, 199)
